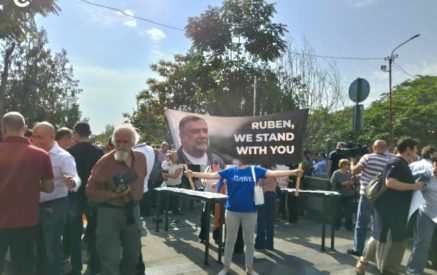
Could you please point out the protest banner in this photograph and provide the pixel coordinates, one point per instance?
(269, 139)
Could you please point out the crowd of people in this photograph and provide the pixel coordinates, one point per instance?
(54, 180)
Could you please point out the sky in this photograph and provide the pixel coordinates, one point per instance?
(111, 53)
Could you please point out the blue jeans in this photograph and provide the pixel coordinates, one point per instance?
(266, 219)
(52, 216)
(419, 254)
(74, 226)
(364, 213)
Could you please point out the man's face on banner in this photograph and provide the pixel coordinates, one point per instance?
(194, 137)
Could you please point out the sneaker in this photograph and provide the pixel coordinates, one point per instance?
(353, 252)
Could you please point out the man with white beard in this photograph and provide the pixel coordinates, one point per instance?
(116, 183)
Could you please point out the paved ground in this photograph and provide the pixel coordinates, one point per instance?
(297, 251)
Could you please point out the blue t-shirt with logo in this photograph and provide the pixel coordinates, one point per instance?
(240, 186)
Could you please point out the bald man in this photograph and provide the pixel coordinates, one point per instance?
(53, 206)
(369, 166)
(25, 171)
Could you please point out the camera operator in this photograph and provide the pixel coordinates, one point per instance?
(116, 183)
(333, 159)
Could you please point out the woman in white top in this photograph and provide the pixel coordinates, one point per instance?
(173, 178)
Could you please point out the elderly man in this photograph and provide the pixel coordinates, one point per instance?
(54, 206)
(369, 166)
(117, 183)
(25, 171)
(193, 132)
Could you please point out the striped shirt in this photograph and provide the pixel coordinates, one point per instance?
(371, 165)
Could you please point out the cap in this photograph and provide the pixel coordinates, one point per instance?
(82, 128)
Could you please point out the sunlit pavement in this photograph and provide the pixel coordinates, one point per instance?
(297, 250)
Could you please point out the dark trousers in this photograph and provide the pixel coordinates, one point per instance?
(90, 237)
(74, 229)
(145, 205)
(21, 242)
(345, 208)
(293, 210)
(266, 220)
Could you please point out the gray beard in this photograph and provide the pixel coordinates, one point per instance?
(121, 155)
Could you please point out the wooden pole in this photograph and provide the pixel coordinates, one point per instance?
(296, 192)
(190, 179)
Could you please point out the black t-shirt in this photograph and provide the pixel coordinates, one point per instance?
(86, 155)
(393, 205)
(335, 158)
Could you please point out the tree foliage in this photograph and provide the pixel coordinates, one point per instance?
(17, 22)
(16, 25)
(41, 84)
(414, 112)
(231, 45)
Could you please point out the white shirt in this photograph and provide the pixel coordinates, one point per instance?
(63, 165)
(429, 193)
(203, 160)
(150, 160)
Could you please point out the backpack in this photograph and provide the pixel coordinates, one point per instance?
(375, 188)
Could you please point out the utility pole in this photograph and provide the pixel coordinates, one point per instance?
(254, 95)
(390, 60)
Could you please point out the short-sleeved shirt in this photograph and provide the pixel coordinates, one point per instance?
(22, 167)
(392, 206)
(335, 158)
(371, 165)
(86, 155)
(337, 178)
(240, 187)
(171, 170)
(424, 166)
(149, 154)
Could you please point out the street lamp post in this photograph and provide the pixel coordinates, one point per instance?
(390, 60)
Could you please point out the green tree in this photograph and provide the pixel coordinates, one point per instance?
(104, 136)
(16, 25)
(231, 45)
(414, 112)
(41, 84)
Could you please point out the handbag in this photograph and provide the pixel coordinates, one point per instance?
(258, 193)
(375, 188)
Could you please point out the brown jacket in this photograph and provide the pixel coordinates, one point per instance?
(101, 185)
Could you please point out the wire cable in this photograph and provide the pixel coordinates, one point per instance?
(133, 16)
(340, 57)
(403, 70)
(179, 29)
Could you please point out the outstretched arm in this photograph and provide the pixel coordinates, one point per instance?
(202, 175)
(284, 173)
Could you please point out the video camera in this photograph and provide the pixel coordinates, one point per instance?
(352, 150)
(122, 181)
